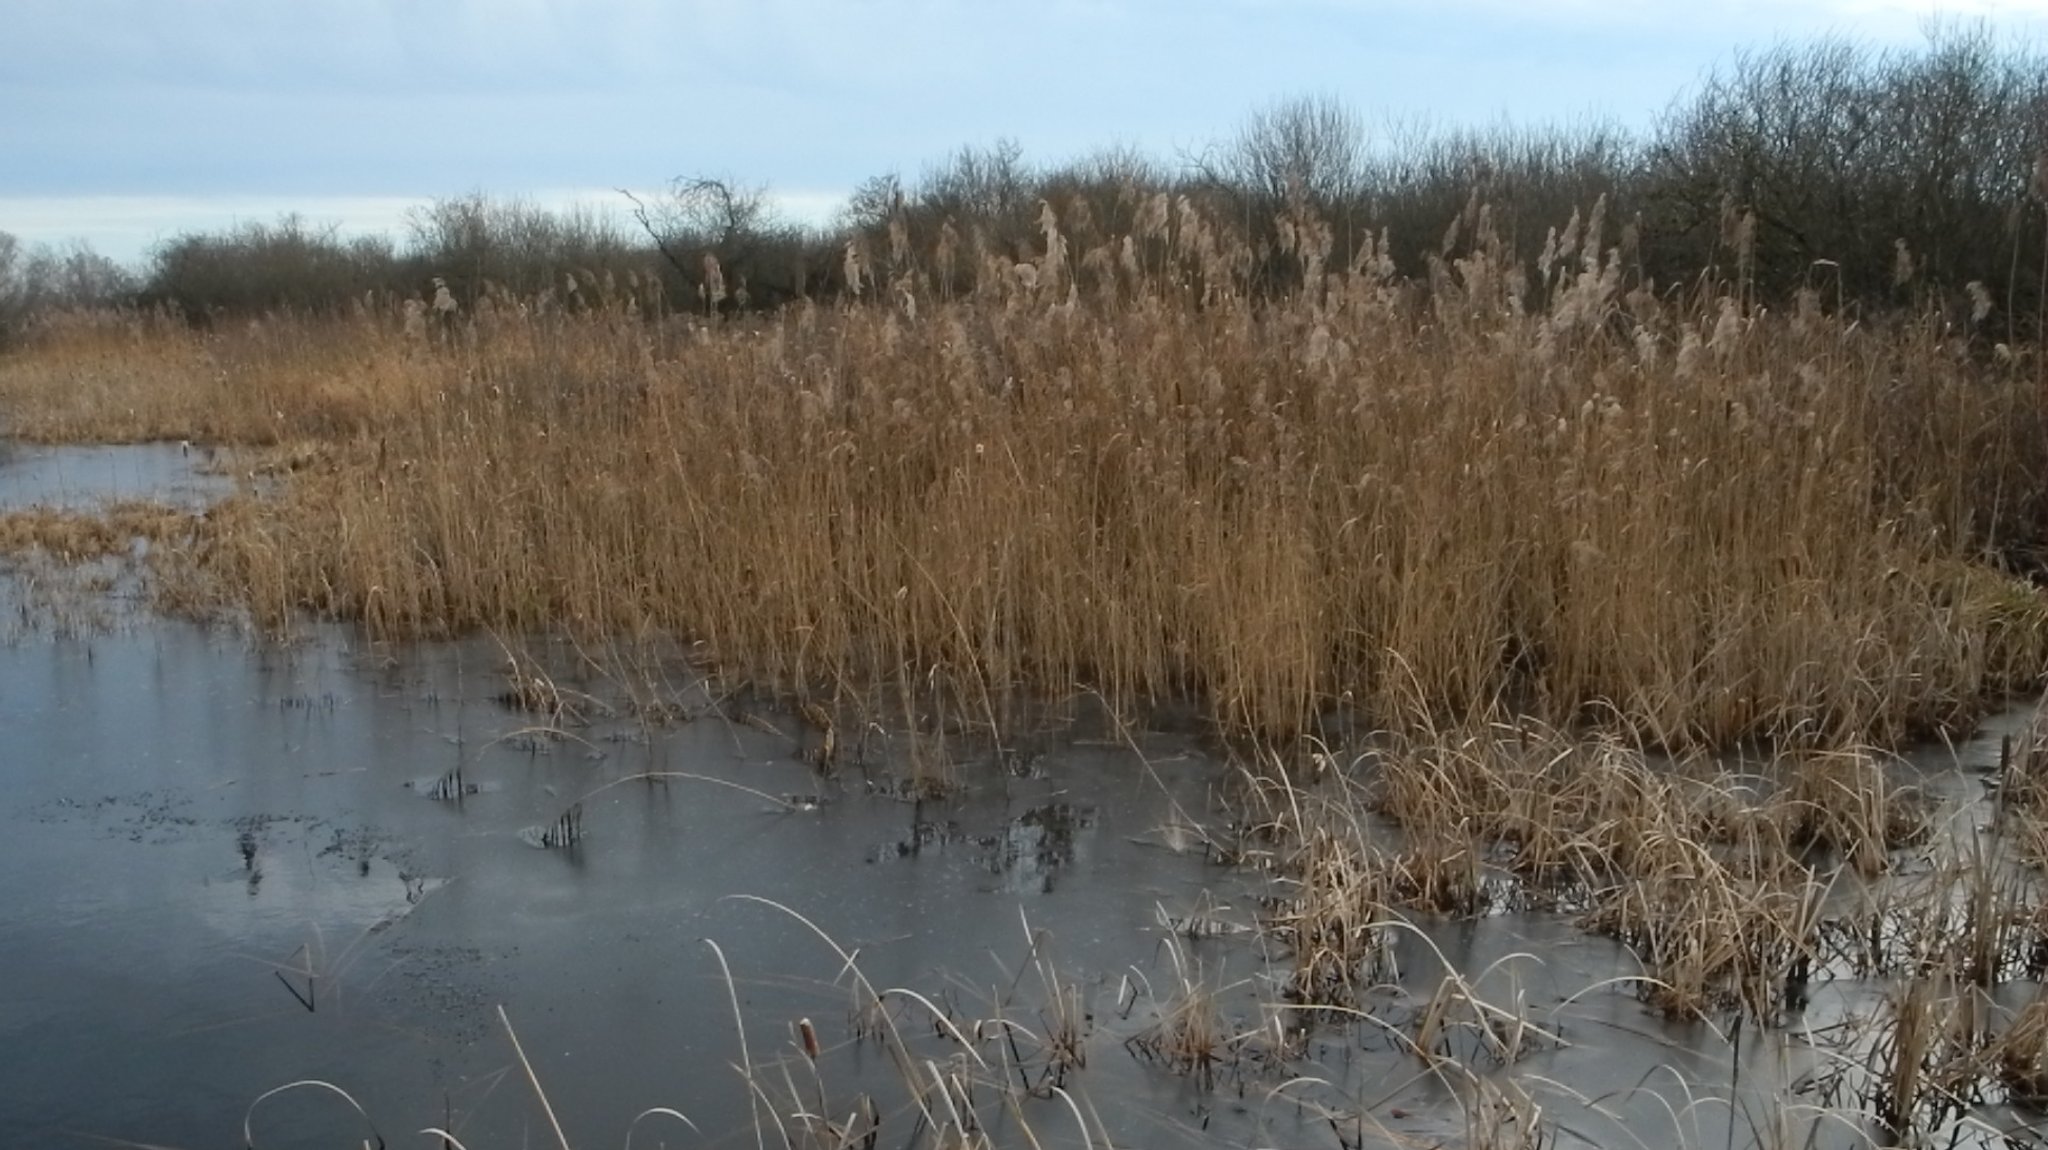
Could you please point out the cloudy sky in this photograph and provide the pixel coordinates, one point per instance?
(126, 121)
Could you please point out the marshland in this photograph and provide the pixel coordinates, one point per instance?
(1526, 639)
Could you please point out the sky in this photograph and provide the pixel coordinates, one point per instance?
(127, 122)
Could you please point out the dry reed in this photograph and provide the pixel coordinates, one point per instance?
(1684, 521)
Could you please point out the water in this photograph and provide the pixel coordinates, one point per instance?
(202, 836)
(81, 478)
(231, 866)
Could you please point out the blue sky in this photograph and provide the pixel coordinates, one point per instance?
(126, 121)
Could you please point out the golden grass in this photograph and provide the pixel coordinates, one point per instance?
(1687, 524)
(97, 378)
(1713, 874)
(2022, 1052)
(79, 572)
(85, 536)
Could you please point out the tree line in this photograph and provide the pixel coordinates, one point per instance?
(1878, 179)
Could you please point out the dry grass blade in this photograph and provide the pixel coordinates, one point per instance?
(739, 1024)
(2021, 1052)
(659, 1112)
(781, 802)
(111, 1141)
(533, 1080)
(249, 1117)
(1087, 1139)
(1187, 1035)
(897, 1049)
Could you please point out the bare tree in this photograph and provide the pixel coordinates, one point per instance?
(257, 266)
(720, 236)
(10, 266)
(704, 214)
(74, 275)
(50, 277)
(13, 289)
(1838, 152)
(979, 184)
(1310, 146)
(513, 243)
(873, 203)
(718, 212)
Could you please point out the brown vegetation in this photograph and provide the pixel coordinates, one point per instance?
(1686, 520)
(83, 537)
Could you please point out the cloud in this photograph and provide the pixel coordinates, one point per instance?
(128, 227)
(362, 99)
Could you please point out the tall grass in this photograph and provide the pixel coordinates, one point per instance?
(1676, 517)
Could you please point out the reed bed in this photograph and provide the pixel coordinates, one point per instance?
(1734, 885)
(1670, 516)
(1738, 885)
